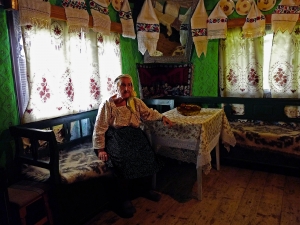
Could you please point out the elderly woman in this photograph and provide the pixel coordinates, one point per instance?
(119, 140)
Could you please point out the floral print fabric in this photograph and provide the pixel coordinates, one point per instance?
(200, 132)
(77, 164)
(280, 137)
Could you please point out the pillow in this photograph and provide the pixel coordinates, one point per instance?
(182, 13)
(238, 109)
(59, 133)
(259, 122)
(291, 111)
(159, 6)
(172, 9)
(280, 123)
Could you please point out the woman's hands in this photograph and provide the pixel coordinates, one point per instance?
(167, 122)
(102, 155)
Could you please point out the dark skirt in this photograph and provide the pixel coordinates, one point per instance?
(130, 153)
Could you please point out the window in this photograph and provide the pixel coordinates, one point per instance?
(60, 73)
(268, 38)
(244, 64)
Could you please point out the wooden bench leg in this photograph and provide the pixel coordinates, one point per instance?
(199, 183)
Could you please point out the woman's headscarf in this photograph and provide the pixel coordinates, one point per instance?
(130, 102)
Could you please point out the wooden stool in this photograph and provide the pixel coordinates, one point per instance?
(25, 193)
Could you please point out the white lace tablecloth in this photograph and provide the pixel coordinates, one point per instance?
(198, 133)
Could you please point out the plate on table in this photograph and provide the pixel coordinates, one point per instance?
(117, 4)
(243, 7)
(189, 109)
(265, 5)
(227, 6)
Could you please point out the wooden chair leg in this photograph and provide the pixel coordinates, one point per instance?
(218, 155)
(23, 213)
(48, 210)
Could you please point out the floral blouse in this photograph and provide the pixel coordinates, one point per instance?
(111, 115)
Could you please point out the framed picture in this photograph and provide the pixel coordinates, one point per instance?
(161, 80)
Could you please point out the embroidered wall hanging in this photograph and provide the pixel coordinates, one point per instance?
(161, 80)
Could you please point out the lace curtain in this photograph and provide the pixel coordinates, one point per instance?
(284, 71)
(240, 65)
(68, 72)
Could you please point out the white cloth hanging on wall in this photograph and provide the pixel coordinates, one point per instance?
(147, 29)
(125, 15)
(255, 25)
(35, 13)
(199, 28)
(285, 16)
(77, 17)
(101, 19)
(217, 23)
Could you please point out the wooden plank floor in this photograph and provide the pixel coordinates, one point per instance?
(232, 196)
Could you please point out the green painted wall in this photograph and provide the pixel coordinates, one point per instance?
(8, 102)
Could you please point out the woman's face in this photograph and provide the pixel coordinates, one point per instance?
(124, 88)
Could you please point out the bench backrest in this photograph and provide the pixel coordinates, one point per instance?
(267, 109)
(161, 105)
(37, 140)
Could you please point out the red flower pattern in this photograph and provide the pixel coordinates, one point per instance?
(28, 27)
(94, 89)
(297, 31)
(231, 77)
(100, 38)
(69, 90)
(44, 90)
(117, 41)
(109, 84)
(57, 30)
(29, 110)
(280, 77)
(253, 78)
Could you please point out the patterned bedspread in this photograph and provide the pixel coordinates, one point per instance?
(76, 164)
(258, 135)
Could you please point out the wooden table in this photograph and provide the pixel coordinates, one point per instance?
(198, 135)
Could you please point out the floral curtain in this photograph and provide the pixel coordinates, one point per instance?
(68, 72)
(240, 65)
(284, 71)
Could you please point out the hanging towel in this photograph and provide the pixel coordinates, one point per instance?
(255, 24)
(101, 19)
(217, 23)
(77, 15)
(125, 15)
(35, 13)
(285, 16)
(147, 28)
(184, 28)
(199, 28)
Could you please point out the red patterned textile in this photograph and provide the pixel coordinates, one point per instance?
(159, 80)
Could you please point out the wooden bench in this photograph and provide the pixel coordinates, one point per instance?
(59, 152)
(259, 125)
